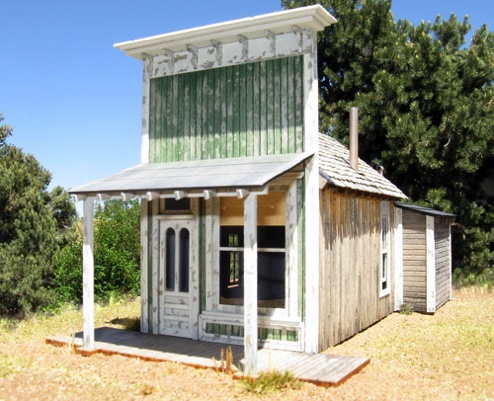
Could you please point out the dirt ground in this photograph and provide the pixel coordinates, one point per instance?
(446, 356)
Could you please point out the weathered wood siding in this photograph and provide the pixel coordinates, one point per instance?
(242, 110)
(443, 261)
(350, 265)
(414, 260)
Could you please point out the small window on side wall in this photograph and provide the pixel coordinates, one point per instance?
(384, 280)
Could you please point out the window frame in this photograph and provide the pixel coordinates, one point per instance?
(212, 224)
(385, 250)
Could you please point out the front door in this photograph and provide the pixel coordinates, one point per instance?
(178, 285)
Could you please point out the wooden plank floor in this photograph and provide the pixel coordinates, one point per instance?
(321, 369)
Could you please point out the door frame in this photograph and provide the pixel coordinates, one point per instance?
(159, 279)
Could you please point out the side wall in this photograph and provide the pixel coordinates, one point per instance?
(443, 261)
(350, 250)
(414, 260)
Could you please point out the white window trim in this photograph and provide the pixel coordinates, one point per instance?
(212, 262)
(385, 249)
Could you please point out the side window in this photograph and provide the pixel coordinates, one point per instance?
(385, 288)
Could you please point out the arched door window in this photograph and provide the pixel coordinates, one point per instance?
(170, 259)
(184, 264)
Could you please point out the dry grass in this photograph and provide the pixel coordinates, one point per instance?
(447, 356)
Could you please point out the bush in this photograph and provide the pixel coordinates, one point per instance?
(116, 254)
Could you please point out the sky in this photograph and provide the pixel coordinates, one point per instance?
(75, 101)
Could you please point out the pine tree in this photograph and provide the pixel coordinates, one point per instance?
(426, 106)
(28, 231)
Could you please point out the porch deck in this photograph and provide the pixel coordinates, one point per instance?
(320, 369)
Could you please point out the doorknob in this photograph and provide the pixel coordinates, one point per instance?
(161, 292)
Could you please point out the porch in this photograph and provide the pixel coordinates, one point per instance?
(320, 369)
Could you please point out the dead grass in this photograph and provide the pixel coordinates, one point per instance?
(447, 356)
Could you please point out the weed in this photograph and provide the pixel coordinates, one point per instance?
(146, 389)
(270, 380)
(226, 363)
(406, 309)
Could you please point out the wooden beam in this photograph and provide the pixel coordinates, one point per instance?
(219, 50)
(144, 266)
(88, 274)
(180, 195)
(272, 41)
(208, 194)
(152, 195)
(242, 193)
(245, 46)
(77, 197)
(127, 196)
(102, 197)
(312, 267)
(250, 284)
(171, 60)
(194, 51)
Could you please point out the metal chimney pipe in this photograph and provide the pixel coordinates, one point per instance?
(354, 138)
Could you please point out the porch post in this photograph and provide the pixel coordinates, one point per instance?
(88, 274)
(250, 284)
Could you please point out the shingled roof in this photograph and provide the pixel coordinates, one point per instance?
(335, 168)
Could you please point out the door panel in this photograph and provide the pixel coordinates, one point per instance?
(177, 294)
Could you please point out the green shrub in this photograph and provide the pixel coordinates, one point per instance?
(270, 380)
(116, 254)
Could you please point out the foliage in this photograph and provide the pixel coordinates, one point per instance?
(427, 111)
(116, 253)
(28, 233)
(5, 131)
(406, 309)
(63, 208)
(270, 380)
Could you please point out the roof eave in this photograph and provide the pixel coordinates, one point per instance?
(312, 17)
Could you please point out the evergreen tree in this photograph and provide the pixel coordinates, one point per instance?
(426, 107)
(27, 231)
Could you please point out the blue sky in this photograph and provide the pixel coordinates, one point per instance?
(75, 101)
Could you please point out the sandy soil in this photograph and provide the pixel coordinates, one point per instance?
(447, 356)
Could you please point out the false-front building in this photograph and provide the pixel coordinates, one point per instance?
(255, 228)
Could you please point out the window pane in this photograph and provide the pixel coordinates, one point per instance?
(177, 205)
(170, 259)
(271, 279)
(183, 267)
(232, 236)
(271, 237)
(231, 274)
(384, 278)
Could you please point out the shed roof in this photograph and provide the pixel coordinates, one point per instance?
(335, 168)
(312, 17)
(424, 210)
(198, 175)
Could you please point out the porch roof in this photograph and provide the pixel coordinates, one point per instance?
(199, 176)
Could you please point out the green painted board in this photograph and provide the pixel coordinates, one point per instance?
(252, 109)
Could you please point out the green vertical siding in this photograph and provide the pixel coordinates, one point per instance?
(243, 110)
